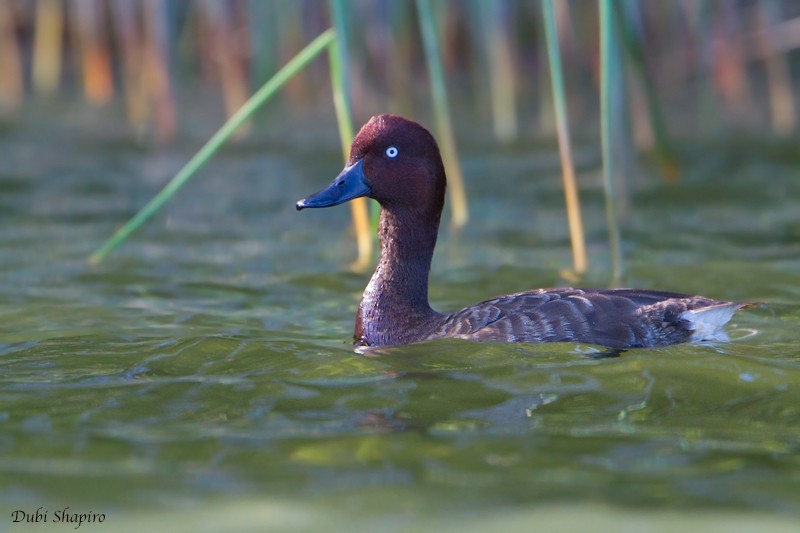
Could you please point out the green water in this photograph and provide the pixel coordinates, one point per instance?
(202, 377)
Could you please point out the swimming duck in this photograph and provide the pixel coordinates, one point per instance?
(397, 162)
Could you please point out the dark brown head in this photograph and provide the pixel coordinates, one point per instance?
(394, 161)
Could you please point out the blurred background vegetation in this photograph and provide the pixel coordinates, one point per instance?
(727, 61)
(696, 68)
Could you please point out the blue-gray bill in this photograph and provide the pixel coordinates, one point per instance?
(349, 184)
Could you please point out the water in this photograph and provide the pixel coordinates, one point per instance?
(202, 377)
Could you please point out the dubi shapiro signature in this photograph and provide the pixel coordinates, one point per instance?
(59, 516)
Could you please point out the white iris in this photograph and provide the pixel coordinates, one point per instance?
(392, 152)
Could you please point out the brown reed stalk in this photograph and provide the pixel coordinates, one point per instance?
(48, 39)
(781, 95)
(155, 69)
(12, 87)
(129, 40)
(730, 69)
(574, 218)
(98, 85)
(291, 38)
(226, 44)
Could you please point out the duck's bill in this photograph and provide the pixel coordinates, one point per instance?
(349, 184)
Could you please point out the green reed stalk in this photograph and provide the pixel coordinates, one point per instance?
(664, 152)
(441, 109)
(609, 115)
(399, 45)
(501, 69)
(262, 28)
(339, 53)
(565, 149)
(217, 140)
(339, 60)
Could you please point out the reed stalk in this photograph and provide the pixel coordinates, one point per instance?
(46, 64)
(731, 75)
(261, 96)
(339, 60)
(664, 152)
(229, 60)
(128, 36)
(400, 56)
(706, 108)
(12, 87)
(98, 85)
(579, 260)
(263, 26)
(545, 120)
(609, 115)
(781, 97)
(501, 69)
(441, 108)
(290, 37)
(155, 75)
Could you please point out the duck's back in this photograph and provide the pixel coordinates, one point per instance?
(616, 318)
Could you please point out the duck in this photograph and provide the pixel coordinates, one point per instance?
(396, 162)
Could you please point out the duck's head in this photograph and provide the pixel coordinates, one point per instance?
(394, 161)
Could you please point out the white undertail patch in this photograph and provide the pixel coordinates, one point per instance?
(708, 323)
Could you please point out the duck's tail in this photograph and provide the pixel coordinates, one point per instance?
(708, 323)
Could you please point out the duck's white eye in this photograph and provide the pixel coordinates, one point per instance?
(392, 152)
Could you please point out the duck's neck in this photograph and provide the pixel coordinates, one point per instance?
(394, 308)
